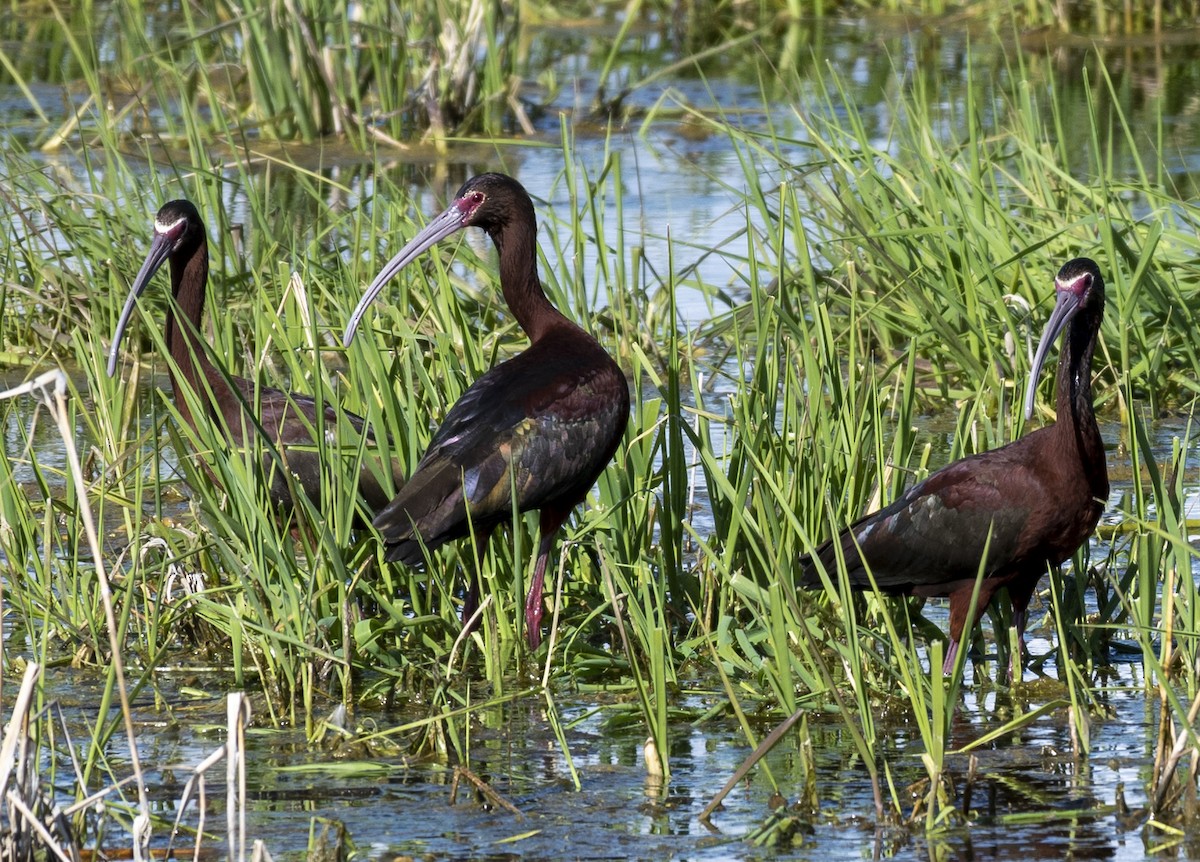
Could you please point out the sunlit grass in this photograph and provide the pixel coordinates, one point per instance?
(884, 278)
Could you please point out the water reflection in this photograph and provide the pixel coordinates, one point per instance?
(676, 179)
(677, 176)
(1027, 791)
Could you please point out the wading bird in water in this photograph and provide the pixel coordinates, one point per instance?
(1032, 503)
(535, 431)
(289, 421)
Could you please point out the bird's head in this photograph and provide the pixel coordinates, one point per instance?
(488, 201)
(177, 227)
(178, 230)
(1078, 287)
(491, 201)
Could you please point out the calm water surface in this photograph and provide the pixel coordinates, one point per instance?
(677, 183)
(396, 807)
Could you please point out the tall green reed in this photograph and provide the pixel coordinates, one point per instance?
(298, 70)
(929, 256)
(882, 280)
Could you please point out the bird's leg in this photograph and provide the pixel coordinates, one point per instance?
(534, 607)
(1021, 592)
(951, 654)
(471, 593)
(1016, 667)
(549, 522)
(960, 608)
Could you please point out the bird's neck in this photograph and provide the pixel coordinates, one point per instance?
(519, 281)
(189, 280)
(1076, 417)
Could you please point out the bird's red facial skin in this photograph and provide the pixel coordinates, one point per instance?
(470, 204)
(172, 231)
(1079, 286)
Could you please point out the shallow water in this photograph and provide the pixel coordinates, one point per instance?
(1028, 790)
(676, 182)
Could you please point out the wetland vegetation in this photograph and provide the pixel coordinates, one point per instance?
(821, 247)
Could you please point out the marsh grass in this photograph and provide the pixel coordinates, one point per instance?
(889, 222)
(878, 279)
(295, 70)
(306, 69)
(913, 242)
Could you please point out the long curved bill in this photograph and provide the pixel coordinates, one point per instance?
(1064, 309)
(441, 227)
(160, 250)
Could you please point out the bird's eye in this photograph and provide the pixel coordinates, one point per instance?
(173, 231)
(477, 198)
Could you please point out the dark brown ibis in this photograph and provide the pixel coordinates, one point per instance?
(536, 430)
(288, 420)
(1040, 497)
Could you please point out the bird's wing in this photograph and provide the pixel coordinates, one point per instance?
(532, 429)
(291, 420)
(937, 532)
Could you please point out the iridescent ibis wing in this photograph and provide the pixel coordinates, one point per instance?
(934, 534)
(523, 431)
(290, 421)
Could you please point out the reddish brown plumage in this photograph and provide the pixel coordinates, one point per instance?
(1040, 496)
(540, 427)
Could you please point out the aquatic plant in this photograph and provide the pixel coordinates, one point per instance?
(879, 276)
